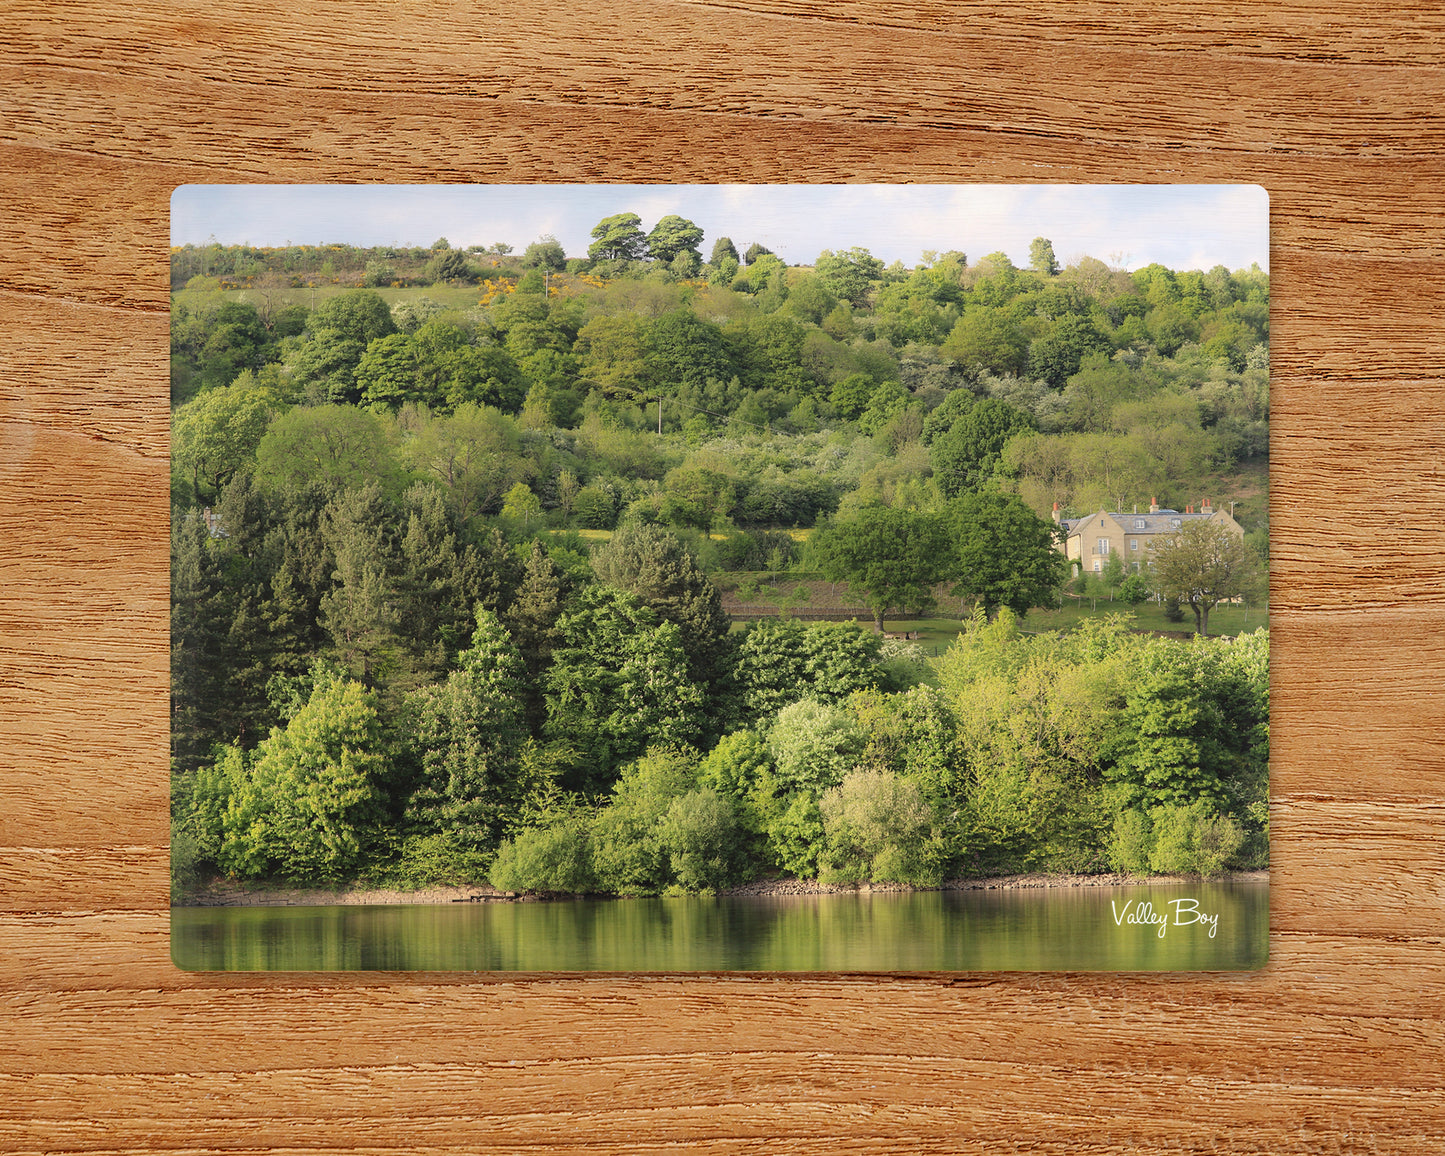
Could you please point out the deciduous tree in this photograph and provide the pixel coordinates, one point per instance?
(312, 797)
(1202, 564)
(618, 681)
(618, 237)
(1004, 554)
(673, 235)
(893, 558)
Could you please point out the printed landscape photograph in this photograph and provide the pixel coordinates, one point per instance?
(720, 578)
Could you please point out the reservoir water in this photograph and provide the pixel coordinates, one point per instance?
(1220, 925)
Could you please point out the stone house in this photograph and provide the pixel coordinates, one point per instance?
(1089, 541)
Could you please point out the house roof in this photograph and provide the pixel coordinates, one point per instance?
(1159, 522)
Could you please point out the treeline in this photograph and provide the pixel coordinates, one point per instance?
(306, 266)
(383, 667)
(1087, 387)
(594, 725)
(360, 691)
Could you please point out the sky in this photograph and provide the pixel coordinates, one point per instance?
(1179, 226)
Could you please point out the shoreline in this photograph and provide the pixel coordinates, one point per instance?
(220, 893)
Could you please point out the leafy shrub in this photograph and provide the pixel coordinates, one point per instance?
(795, 836)
(1133, 840)
(594, 508)
(1134, 589)
(878, 828)
(703, 840)
(1193, 839)
(556, 858)
(437, 859)
(630, 855)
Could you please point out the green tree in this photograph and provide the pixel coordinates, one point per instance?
(1055, 356)
(532, 615)
(480, 375)
(467, 734)
(618, 681)
(215, 436)
(236, 340)
(1193, 839)
(671, 236)
(361, 612)
(695, 497)
(652, 564)
(554, 857)
(914, 734)
(338, 332)
(387, 373)
(521, 504)
(474, 454)
(630, 854)
(1202, 564)
(814, 745)
(986, 340)
(202, 613)
(546, 253)
(1041, 257)
(1097, 389)
(336, 446)
(888, 400)
(972, 448)
(723, 249)
(442, 578)
(1004, 553)
(705, 843)
(893, 558)
(851, 395)
(686, 350)
(616, 354)
(311, 800)
(849, 275)
(446, 266)
(780, 661)
(878, 828)
(618, 237)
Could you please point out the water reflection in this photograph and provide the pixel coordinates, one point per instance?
(1045, 929)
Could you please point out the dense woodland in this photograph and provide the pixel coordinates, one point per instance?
(449, 525)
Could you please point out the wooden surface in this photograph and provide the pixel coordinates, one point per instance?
(1335, 1048)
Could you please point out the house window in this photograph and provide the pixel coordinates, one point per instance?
(1103, 547)
(1133, 543)
(1139, 523)
(1098, 566)
(1176, 522)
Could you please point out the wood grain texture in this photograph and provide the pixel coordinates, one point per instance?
(1336, 109)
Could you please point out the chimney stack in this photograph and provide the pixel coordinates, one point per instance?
(1153, 505)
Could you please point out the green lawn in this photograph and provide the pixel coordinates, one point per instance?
(1228, 619)
(939, 633)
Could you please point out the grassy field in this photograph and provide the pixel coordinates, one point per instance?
(939, 633)
(1230, 619)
